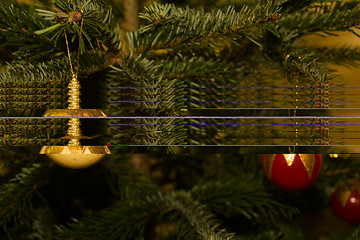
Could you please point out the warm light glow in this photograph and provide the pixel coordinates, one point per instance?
(289, 158)
(352, 200)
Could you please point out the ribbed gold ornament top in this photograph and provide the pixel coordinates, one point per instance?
(74, 109)
(74, 93)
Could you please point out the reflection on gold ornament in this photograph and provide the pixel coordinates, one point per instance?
(289, 159)
(308, 160)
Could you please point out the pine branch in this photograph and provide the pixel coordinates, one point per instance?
(150, 91)
(144, 90)
(49, 78)
(15, 196)
(168, 26)
(30, 142)
(330, 6)
(242, 197)
(44, 73)
(88, 18)
(48, 74)
(198, 216)
(344, 56)
(164, 87)
(179, 74)
(291, 233)
(125, 181)
(19, 132)
(338, 19)
(195, 67)
(129, 221)
(289, 6)
(42, 220)
(118, 221)
(11, 101)
(17, 28)
(336, 170)
(355, 235)
(307, 65)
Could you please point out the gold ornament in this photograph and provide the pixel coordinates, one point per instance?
(74, 155)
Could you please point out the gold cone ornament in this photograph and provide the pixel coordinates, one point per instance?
(74, 155)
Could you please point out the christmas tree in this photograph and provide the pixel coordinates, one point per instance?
(192, 92)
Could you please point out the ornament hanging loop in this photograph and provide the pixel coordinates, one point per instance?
(68, 49)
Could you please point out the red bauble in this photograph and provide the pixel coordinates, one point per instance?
(345, 202)
(292, 171)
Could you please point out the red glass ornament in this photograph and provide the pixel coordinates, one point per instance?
(292, 171)
(345, 202)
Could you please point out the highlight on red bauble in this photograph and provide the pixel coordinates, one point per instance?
(292, 171)
(345, 202)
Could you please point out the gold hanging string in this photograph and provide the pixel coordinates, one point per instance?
(291, 151)
(68, 49)
(296, 106)
(287, 135)
(81, 28)
(296, 121)
(74, 94)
